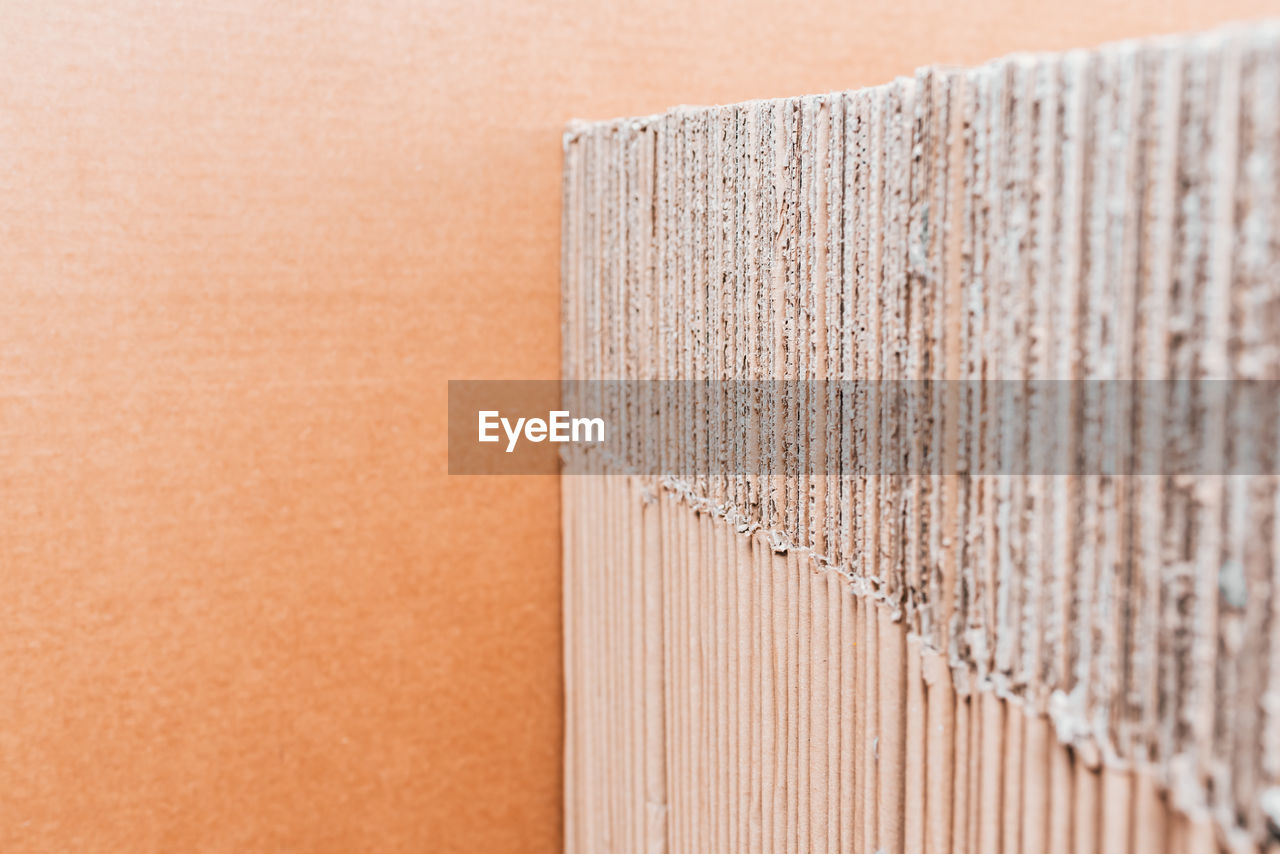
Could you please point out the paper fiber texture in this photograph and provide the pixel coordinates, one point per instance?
(967, 662)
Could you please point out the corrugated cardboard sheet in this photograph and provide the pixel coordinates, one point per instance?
(943, 663)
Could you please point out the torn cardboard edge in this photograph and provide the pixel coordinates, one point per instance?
(1107, 213)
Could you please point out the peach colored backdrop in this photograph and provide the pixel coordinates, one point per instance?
(243, 245)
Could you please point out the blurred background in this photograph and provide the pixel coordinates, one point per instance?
(243, 246)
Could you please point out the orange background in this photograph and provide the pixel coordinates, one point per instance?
(243, 246)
